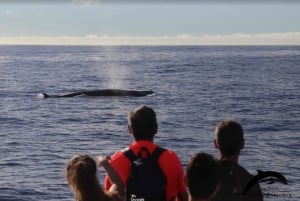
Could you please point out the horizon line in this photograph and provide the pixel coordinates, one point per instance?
(286, 38)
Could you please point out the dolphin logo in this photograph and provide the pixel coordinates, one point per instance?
(265, 176)
(101, 92)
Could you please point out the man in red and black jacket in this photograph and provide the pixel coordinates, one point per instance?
(142, 125)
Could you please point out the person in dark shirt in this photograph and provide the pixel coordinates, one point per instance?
(229, 140)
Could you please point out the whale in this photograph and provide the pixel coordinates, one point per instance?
(263, 176)
(101, 92)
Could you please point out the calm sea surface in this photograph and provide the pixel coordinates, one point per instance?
(196, 87)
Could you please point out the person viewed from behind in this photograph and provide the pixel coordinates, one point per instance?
(81, 174)
(229, 140)
(167, 183)
(203, 177)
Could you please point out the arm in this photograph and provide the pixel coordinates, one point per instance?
(183, 196)
(112, 174)
(177, 173)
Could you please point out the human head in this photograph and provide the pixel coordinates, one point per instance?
(81, 175)
(203, 176)
(142, 123)
(229, 137)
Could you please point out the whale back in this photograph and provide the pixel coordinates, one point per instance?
(102, 92)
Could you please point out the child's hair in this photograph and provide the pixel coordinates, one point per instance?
(229, 136)
(143, 122)
(81, 175)
(203, 174)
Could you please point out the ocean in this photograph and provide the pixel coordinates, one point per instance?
(195, 87)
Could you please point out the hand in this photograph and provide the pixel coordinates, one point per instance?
(102, 159)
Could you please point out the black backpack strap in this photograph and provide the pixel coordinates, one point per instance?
(132, 157)
(129, 154)
(157, 152)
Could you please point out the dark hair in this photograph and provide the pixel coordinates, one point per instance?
(230, 137)
(203, 173)
(143, 122)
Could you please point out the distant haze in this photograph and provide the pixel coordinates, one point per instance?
(132, 23)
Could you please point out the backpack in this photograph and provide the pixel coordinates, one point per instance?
(146, 181)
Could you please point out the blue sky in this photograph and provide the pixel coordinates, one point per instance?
(70, 22)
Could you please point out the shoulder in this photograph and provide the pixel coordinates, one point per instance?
(245, 179)
(117, 155)
(169, 158)
(243, 172)
(169, 153)
(118, 159)
(245, 176)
